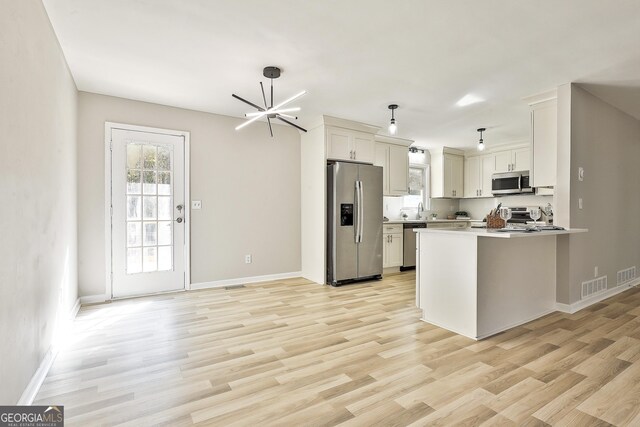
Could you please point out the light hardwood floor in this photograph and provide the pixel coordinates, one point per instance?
(293, 353)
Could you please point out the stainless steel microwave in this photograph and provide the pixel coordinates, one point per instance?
(510, 183)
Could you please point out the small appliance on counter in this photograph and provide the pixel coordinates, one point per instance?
(462, 215)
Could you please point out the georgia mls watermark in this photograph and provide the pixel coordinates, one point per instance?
(31, 416)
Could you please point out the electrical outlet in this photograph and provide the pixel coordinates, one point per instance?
(580, 203)
(196, 204)
(595, 271)
(247, 259)
(580, 174)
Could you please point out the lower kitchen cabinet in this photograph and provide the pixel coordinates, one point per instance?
(392, 241)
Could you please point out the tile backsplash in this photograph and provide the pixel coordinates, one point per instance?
(392, 207)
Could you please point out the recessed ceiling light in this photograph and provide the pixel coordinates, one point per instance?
(468, 99)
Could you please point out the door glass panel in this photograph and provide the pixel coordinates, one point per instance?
(150, 259)
(150, 233)
(134, 208)
(149, 154)
(134, 156)
(134, 234)
(164, 208)
(149, 182)
(164, 183)
(134, 260)
(133, 181)
(164, 258)
(150, 207)
(164, 159)
(149, 217)
(164, 233)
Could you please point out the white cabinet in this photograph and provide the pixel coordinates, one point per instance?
(393, 245)
(544, 143)
(346, 144)
(447, 173)
(488, 169)
(477, 175)
(472, 176)
(521, 159)
(394, 160)
(513, 160)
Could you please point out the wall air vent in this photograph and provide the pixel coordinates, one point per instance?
(594, 286)
(625, 276)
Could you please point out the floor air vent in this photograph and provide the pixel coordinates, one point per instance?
(233, 287)
(625, 276)
(594, 286)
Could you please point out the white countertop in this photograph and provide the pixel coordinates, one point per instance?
(480, 232)
(435, 221)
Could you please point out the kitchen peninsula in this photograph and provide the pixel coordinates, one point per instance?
(480, 282)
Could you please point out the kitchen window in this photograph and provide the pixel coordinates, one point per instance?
(419, 187)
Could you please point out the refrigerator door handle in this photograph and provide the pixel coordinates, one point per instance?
(361, 213)
(358, 227)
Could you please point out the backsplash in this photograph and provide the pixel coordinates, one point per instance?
(442, 207)
(479, 208)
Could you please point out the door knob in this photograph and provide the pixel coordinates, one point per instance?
(179, 220)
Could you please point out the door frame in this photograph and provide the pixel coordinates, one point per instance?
(108, 127)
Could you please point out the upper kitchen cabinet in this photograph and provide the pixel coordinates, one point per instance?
(393, 155)
(447, 173)
(518, 159)
(350, 145)
(477, 175)
(544, 138)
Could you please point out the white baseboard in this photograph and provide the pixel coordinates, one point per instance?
(74, 310)
(245, 280)
(31, 391)
(514, 324)
(579, 305)
(93, 299)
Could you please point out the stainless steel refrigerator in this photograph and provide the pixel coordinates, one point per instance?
(354, 222)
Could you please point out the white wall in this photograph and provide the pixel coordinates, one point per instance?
(606, 143)
(249, 185)
(38, 283)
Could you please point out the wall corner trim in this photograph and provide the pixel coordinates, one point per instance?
(31, 391)
(579, 305)
(244, 280)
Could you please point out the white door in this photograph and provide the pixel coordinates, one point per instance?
(148, 212)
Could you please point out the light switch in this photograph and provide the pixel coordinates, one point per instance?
(196, 204)
(580, 174)
(580, 203)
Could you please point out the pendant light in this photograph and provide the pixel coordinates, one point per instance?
(481, 142)
(393, 128)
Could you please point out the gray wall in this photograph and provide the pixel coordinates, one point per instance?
(38, 283)
(249, 185)
(606, 143)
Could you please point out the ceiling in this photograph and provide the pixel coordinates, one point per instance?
(354, 57)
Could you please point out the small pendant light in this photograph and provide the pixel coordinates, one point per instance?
(481, 142)
(393, 128)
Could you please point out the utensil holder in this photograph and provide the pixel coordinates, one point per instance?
(494, 221)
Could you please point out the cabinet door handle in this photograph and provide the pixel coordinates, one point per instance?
(354, 154)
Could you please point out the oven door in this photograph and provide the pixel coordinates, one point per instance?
(506, 183)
